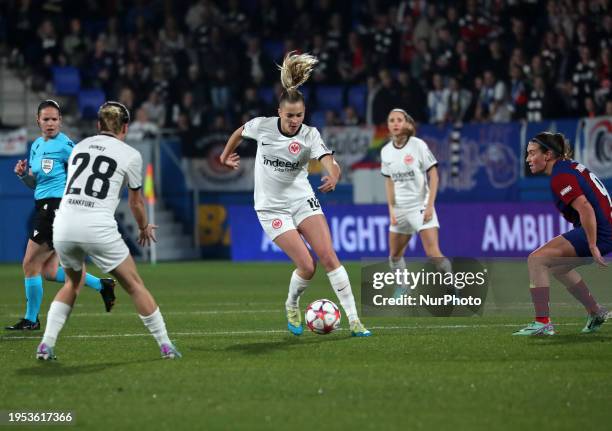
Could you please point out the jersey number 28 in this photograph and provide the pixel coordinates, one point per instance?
(96, 174)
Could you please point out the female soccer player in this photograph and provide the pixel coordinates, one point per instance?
(85, 225)
(584, 201)
(411, 183)
(284, 200)
(47, 176)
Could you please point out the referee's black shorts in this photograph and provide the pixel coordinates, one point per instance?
(42, 226)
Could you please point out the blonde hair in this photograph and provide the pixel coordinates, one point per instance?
(294, 72)
(112, 116)
(411, 124)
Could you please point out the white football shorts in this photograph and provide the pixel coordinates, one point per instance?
(107, 256)
(276, 222)
(411, 221)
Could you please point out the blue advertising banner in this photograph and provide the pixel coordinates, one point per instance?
(467, 230)
(477, 158)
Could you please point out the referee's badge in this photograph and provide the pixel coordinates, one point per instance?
(47, 165)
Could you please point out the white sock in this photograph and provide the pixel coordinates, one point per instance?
(56, 318)
(297, 285)
(155, 324)
(395, 265)
(443, 264)
(342, 286)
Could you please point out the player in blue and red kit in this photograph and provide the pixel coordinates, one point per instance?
(584, 201)
(45, 173)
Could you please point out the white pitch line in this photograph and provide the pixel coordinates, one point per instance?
(277, 331)
(170, 313)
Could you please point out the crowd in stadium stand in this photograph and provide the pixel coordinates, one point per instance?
(210, 65)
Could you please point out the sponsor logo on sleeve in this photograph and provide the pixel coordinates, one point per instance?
(566, 190)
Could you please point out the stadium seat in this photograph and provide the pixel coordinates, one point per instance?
(274, 49)
(306, 91)
(66, 80)
(357, 98)
(317, 119)
(89, 102)
(267, 95)
(330, 97)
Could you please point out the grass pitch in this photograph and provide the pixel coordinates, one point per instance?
(242, 370)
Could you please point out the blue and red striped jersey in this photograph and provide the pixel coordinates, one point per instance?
(570, 180)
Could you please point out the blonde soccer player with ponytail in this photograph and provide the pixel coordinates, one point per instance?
(411, 182)
(285, 203)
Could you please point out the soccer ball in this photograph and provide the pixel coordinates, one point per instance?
(322, 316)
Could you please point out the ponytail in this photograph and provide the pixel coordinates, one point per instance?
(294, 72)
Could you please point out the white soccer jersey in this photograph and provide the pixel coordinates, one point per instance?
(407, 168)
(97, 170)
(281, 164)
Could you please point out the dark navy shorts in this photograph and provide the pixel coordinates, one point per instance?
(577, 237)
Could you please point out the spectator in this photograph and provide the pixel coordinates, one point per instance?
(604, 36)
(539, 102)
(443, 58)
(332, 119)
(257, 63)
(188, 136)
(126, 97)
(252, 104)
(220, 92)
(565, 60)
(196, 85)
(382, 38)
(75, 44)
(324, 72)
(155, 109)
(351, 64)
(385, 98)
(112, 38)
(427, 26)
(497, 60)
(267, 19)
(350, 117)
(518, 37)
(473, 25)
(590, 109)
(492, 99)
(459, 100)
(190, 109)
(412, 96)
(518, 93)
(604, 76)
(101, 68)
(406, 40)
(421, 61)
(438, 101)
(219, 125)
(583, 78)
(608, 110)
(335, 32)
(464, 66)
(141, 128)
